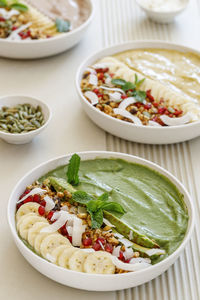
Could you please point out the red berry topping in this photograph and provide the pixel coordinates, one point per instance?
(64, 230)
(100, 95)
(102, 240)
(161, 110)
(2, 19)
(50, 215)
(43, 203)
(155, 104)
(151, 98)
(28, 199)
(124, 96)
(14, 28)
(36, 198)
(24, 193)
(109, 248)
(121, 256)
(147, 106)
(96, 91)
(87, 242)
(41, 210)
(96, 246)
(100, 76)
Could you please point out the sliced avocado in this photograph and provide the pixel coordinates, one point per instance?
(61, 185)
(127, 231)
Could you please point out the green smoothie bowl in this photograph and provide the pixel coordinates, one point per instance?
(100, 220)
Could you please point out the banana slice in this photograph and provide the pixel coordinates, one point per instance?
(38, 240)
(34, 231)
(99, 262)
(58, 251)
(77, 260)
(28, 223)
(51, 242)
(30, 207)
(63, 260)
(23, 218)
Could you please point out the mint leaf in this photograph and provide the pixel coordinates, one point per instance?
(113, 206)
(128, 86)
(118, 81)
(96, 218)
(62, 25)
(73, 168)
(140, 96)
(103, 197)
(81, 197)
(19, 6)
(94, 205)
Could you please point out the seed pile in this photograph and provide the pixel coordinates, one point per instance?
(21, 118)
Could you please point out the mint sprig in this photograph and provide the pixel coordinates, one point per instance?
(62, 25)
(14, 4)
(96, 206)
(73, 168)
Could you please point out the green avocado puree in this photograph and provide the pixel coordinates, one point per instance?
(153, 204)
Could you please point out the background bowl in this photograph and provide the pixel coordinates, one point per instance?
(23, 138)
(162, 16)
(94, 282)
(126, 130)
(42, 48)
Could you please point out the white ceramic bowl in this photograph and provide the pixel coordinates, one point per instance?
(162, 16)
(23, 138)
(42, 48)
(126, 130)
(94, 282)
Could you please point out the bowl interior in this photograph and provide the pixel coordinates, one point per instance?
(47, 166)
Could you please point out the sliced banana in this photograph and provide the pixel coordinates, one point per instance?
(30, 207)
(28, 223)
(51, 242)
(38, 240)
(23, 218)
(99, 262)
(63, 260)
(77, 260)
(34, 231)
(58, 251)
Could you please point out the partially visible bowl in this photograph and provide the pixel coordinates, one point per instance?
(32, 49)
(85, 281)
(162, 16)
(130, 131)
(23, 138)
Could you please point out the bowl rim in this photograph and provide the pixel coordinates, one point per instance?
(129, 158)
(164, 13)
(114, 50)
(57, 37)
(16, 135)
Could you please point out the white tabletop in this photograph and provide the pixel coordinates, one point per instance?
(70, 130)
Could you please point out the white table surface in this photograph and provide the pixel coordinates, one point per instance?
(70, 130)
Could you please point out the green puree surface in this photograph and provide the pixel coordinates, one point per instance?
(153, 204)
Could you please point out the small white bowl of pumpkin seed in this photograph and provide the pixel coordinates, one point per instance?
(22, 118)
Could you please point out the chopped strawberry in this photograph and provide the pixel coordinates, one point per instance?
(96, 246)
(64, 230)
(43, 203)
(69, 238)
(50, 215)
(29, 199)
(124, 96)
(151, 98)
(102, 240)
(36, 198)
(100, 76)
(109, 248)
(87, 242)
(41, 210)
